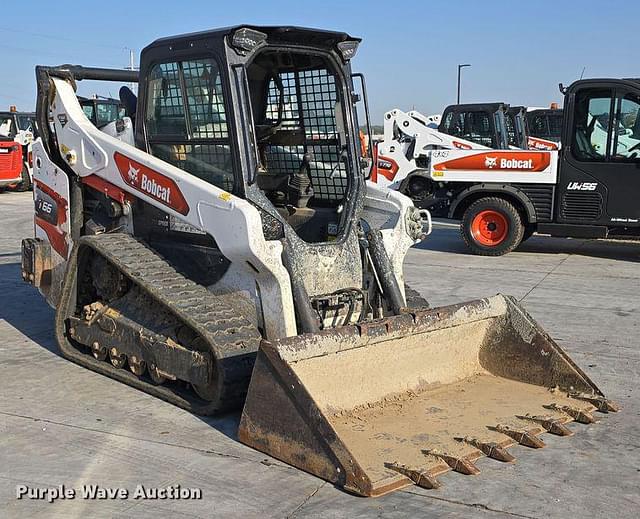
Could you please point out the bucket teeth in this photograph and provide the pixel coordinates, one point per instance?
(462, 465)
(419, 477)
(602, 404)
(579, 415)
(522, 436)
(550, 424)
(490, 449)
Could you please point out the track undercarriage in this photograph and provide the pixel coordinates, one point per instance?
(134, 318)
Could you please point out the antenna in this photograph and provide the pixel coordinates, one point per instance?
(583, 69)
(132, 66)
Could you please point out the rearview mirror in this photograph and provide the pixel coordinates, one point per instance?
(365, 164)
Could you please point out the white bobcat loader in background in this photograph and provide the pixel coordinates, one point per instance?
(408, 139)
(235, 257)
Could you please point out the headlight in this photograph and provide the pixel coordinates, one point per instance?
(247, 40)
(348, 48)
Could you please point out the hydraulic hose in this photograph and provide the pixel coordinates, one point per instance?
(383, 267)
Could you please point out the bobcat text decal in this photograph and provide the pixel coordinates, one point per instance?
(461, 145)
(151, 183)
(498, 160)
(541, 144)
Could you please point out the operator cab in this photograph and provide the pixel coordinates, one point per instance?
(482, 123)
(101, 111)
(598, 175)
(14, 122)
(262, 113)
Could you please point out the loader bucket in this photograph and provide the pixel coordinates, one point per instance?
(377, 407)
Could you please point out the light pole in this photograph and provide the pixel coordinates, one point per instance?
(459, 68)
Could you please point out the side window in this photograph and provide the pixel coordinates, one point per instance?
(555, 126)
(626, 144)
(592, 125)
(165, 109)
(11, 130)
(106, 113)
(454, 124)
(204, 98)
(186, 120)
(479, 128)
(88, 111)
(538, 126)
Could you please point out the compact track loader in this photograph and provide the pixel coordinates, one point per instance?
(237, 256)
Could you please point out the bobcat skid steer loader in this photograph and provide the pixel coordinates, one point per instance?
(237, 256)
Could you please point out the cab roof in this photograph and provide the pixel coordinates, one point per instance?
(275, 34)
(468, 107)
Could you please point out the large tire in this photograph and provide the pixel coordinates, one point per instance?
(492, 226)
(25, 183)
(414, 299)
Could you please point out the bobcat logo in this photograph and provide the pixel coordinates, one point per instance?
(491, 162)
(133, 174)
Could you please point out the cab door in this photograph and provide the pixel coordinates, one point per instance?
(599, 176)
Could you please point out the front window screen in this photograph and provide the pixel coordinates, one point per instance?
(309, 110)
(25, 122)
(470, 126)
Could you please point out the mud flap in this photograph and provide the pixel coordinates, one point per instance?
(376, 407)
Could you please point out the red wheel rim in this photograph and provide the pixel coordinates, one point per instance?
(489, 228)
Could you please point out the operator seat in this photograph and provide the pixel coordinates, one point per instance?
(129, 102)
(583, 140)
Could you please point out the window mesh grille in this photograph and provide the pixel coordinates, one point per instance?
(165, 115)
(290, 112)
(309, 104)
(204, 99)
(210, 162)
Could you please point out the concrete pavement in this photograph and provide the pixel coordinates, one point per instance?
(62, 424)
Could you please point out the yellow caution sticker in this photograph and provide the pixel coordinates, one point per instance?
(225, 196)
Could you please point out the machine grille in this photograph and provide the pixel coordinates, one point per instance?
(10, 162)
(581, 206)
(541, 196)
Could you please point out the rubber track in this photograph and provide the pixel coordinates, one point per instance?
(231, 338)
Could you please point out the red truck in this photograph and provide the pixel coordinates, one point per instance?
(10, 163)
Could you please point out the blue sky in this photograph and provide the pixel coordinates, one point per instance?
(519, 51)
